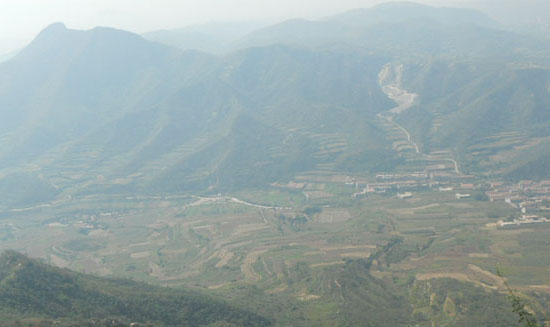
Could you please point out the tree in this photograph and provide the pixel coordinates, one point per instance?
(526, 318)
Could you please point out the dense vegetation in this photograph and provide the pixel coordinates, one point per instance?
(453, 303)
(32, 290)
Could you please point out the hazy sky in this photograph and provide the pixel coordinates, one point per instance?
(20, 20)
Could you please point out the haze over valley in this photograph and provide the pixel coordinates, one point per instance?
(382, 166)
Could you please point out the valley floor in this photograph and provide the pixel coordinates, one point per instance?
(293, 250)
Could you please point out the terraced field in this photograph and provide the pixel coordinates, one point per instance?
(220, 243)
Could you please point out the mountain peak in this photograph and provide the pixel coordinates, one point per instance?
(46, 41)
(50, 33)
(54, 28)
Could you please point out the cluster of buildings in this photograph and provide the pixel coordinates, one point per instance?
(525, 195)
(406, 183)
(84, 222)
(531, 197)
(523, 221)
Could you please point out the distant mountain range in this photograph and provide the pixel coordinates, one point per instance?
(213, 37)
(107, 111)
(531, 16)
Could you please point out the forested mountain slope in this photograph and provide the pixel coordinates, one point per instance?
(35, 293)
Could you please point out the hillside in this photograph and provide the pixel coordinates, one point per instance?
(495, 120)
(107, 111)
(35, 293)
(365, 169)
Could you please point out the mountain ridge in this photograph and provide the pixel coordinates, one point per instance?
(392, 12)
(106, 110)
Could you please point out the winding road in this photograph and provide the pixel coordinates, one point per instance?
(390, 80)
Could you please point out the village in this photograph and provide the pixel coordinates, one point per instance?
(405, 184)
(530, 198)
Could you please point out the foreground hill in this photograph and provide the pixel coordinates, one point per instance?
(38, 294)
(35, 294)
